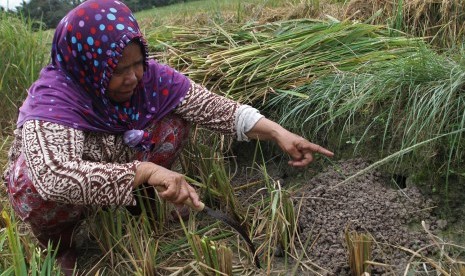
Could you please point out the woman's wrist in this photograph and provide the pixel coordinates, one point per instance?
(266, 129)
(143, 172)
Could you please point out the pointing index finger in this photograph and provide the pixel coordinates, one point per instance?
(319, 149)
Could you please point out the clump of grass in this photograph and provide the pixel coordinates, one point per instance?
(359, 247)
(249, 65)
(425, 89)
(128, 242)
(19, 254)
(23, 54)
(274, 222)
(441, 262)
(215, 258)
(440, 22)
(204, 160)
(283, 220)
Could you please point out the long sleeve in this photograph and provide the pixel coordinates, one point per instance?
(54, 158)
(217, 113)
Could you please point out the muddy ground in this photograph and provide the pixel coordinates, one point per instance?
(374, 204)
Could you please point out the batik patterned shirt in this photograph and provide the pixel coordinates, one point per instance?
(89, 168)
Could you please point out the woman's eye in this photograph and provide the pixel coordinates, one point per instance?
(123, 71)
(119, 71)
(140, 63)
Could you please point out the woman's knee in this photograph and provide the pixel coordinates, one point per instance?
(46, 218)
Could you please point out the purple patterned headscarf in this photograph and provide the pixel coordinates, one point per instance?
(71, 90)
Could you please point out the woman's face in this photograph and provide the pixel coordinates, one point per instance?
(127, 74)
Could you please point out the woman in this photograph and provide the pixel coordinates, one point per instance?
(102, 119)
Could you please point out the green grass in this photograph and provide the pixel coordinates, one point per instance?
(20, 255)
(362, 81)
(23, 54)
(397, 104)
(224, 12)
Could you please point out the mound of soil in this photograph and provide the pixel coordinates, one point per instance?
(369, 204)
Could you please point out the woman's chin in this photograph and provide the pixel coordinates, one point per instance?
(123, 97)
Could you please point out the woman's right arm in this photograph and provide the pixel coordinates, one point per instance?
(53, 156)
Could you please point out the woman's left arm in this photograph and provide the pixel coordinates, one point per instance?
(229, 117)
(300, 149)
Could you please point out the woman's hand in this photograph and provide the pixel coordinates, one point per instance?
(299, 149)
(171, 186)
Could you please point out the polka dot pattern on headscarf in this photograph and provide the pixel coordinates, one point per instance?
(83, 35)
(86, 47)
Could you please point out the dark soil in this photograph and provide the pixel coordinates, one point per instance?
(373, 204)
(368, 204)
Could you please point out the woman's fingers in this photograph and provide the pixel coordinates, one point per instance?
(301, 151)
(182, 196)
(193, 196)
(187, 192)
(175, 188)
(301, 162)
(308, 146)
(170, 191)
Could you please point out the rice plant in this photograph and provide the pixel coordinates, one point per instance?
(23, 54)
(439, 22)
(216, 258)
(359, 246)
(20, 256)
(250, 64)
(442, 22)
(205, 163)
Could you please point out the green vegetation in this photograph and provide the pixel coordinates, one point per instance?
(224, 12)
(217, 257)
(23, 54)
(47, 13)
(359, 85)
(21, 254)
(250, 64)
(442, 23)
(424, 89)
(322, 77)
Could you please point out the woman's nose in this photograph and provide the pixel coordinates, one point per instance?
(131, 77)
